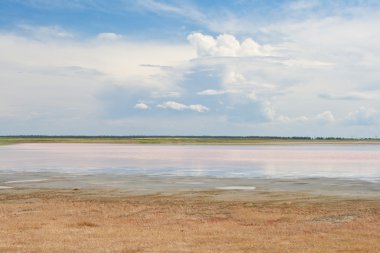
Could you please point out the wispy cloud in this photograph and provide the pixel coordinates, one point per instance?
(159, 7)
(211, 92)
(45, 32)
(301, 5)
(350, 96)
(216, 20)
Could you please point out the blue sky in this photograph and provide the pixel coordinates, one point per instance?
(305, 68)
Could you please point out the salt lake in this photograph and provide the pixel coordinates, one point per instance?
(336, 167)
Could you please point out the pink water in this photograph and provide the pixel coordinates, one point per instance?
(346, 161)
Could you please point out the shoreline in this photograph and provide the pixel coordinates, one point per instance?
(93, 205)
(184, 140)
(138, 184)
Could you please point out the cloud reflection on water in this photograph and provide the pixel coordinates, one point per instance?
(344, 161)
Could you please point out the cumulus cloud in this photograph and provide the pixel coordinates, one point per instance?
(285, 89)
(173, 105)
(180, 107)
(326, 116)
(198, 108)
(254, 85)
(141, 106)
(226, 45)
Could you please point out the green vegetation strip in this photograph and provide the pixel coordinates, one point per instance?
(6, 140)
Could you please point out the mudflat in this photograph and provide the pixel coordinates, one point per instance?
(89, 220)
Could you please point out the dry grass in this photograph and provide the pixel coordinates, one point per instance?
(61, 221)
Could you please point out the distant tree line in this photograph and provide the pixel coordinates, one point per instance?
(185, 136)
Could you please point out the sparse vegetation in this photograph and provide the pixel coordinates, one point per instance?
(86, 224)
(72, 221)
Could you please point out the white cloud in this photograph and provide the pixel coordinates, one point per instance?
(232, 77)
(141, 106)
(350, 96)
(326, 116)
(173, 105)
(211, 92)
(62, 4)
(161, 94)
(282, 73)
(302, 5)
(301, 119)
(180, 107)
(286, 119)
(62, 81)
(252, 96)
(204, 44)
(228, 22)
(198, 108)
(120, 63)
(362, 116)
(312, 55)
(269, 111)
(249, 47)
(226, 45)
(109, 36)
(45, 32)
(321, 118)
(158, 7)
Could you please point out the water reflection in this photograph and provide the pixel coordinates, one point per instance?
(263, 161)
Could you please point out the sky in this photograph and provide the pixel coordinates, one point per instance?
(156, 67)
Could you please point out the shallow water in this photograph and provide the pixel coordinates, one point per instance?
(344, 161)
(338, 169)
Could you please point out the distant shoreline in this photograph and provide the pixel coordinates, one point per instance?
(208, 140)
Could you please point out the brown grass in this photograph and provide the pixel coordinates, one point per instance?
(62, 221)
